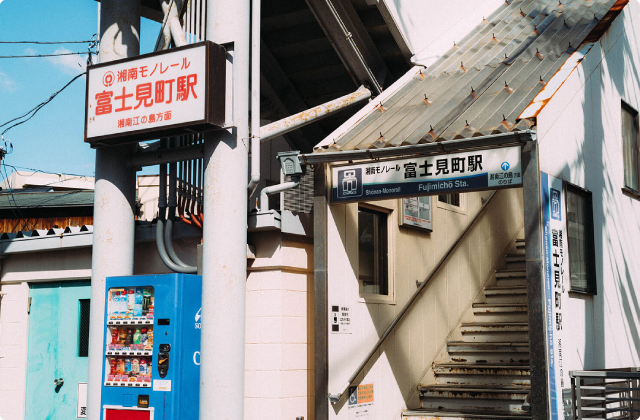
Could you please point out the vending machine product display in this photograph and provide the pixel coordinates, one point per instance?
(152, 347)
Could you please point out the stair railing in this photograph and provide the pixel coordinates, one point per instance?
(334, 398)
(604, 394)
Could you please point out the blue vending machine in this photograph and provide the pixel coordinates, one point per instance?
(152, 348)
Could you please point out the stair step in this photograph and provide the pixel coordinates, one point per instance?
(500, 312)
(521, 273)
(494, 327)
(520, 243)
(466, 398)
(482, 374)
(426, 414)
(490, 347)
(514, 277)
(506, 294)
(513, 258)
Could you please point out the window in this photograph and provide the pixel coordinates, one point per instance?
(452, 199)
(373, 252)
(630, 146)
(83, 327)
(582, 268)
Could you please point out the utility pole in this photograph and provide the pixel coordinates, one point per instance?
(224, 270)
(114, 196)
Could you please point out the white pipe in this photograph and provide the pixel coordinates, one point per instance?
(303, 118)
(255, 96)
(173, 22)
(114, 196)
(264, 199)
(224, 268)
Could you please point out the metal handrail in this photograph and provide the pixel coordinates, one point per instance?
(622, 397)
(334, 398)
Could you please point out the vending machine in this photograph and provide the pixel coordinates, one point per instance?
(152, 348)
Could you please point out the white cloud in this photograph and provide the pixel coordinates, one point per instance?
(30, 51)
(71, 64)
(6, 83)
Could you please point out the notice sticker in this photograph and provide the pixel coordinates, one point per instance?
(340, 319)
(162, 385)
(361, 402)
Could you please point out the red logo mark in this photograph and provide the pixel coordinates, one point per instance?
(108, 79)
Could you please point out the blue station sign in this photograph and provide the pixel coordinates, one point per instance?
(428, 175)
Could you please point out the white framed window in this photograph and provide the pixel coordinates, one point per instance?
(630, 146)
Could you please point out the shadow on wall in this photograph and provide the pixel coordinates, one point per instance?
(503, 218)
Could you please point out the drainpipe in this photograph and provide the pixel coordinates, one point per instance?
(255, 96)
(224, 260)
(114, 222)
(264, 199)
(303, 118)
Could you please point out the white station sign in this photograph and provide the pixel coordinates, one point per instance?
(430, 175)
(176, 91)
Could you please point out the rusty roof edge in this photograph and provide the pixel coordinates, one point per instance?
(368, 108)
(450, 146)
(555, 83)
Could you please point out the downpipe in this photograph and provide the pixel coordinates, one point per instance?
(264, 199)
(255, 96)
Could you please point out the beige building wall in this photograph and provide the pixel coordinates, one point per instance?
(404, 360)
(279, 329)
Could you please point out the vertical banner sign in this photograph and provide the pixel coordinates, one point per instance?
(81, 409)
(554, 240)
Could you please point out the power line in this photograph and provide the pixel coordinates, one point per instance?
(42, 55)
(24, 222)
(37, 108)
(46, 42)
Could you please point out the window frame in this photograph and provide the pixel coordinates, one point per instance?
(462, 208)
(374, 297)
(590, 257)
(626, 107)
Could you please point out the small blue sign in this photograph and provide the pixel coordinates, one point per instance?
(505, 166)
(555, 204)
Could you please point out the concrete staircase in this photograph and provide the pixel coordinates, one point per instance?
(487, 375)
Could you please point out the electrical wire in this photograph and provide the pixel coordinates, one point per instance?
(46, 42)
(6, 177)
(38, 107)
(42, 55)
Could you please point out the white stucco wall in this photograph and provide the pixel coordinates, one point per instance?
(430, 27)
(580, 141)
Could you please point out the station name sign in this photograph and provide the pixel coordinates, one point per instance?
(431, 175)
(172, 92)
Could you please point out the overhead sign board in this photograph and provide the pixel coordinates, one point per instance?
(430, 175)
(177, 91)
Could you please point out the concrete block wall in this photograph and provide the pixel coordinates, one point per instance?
(279, 339)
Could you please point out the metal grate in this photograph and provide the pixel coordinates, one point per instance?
(83, 327)
(300, 199)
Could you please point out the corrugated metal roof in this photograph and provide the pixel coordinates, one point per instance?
(484, 82)
(26, 199)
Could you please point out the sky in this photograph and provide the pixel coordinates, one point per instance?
(53, 140)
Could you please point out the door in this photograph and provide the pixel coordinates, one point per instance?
(58, 349)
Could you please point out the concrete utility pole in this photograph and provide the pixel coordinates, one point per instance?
(113, 209)
(225, 225)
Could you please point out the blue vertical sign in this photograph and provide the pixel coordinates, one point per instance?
(554, 239)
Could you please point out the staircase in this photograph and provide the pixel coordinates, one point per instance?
(487, 375)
